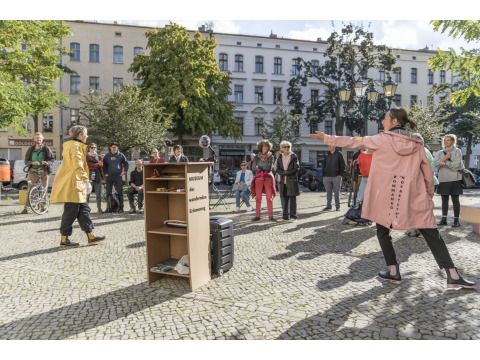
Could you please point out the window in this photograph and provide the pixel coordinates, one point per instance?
(138, 82)
(277, 65)
(238, 94)
(74, 51)
(137, 50)
(313, 127)
(397, 75)
(315, 66)
(277, 46)
(397, 99)
(117, 84)
(258, 126)
(118, 33)
(413, 75)
(47, 123)
(328, 127)
(259, 45)
(277, 95)
(239, 63)
(26, 126)
(239, 120)
(118, 54)
(74, 84)
(381, 75)
(295, 48)
(74, 116)
(296, 66)
(223, 61)
(259, 94)
(94, 83)
(314, 96)
(413, 100)
(94, 53)
(430, 77)
(442, 76)
(259, 64)
(239, 43)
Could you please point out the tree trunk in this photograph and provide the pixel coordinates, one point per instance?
(468, 152)
(35, 123)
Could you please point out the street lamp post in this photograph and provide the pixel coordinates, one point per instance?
(366, 94)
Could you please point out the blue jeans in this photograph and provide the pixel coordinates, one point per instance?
(245, 195)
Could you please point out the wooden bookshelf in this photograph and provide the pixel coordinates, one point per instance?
(167, 242)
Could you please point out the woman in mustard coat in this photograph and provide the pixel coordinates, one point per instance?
(71, 187)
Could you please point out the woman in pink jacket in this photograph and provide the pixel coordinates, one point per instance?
(399, 192)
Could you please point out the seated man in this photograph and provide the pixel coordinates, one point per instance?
(241, 186)
(136, 186)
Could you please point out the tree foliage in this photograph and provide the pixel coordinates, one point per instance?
(30, 54)
(349, 55)
(284, 127)
(133, 120)
(181, 71)
(428, 123)
(466, 64)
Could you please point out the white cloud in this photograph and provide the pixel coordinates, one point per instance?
(226, 26)
(310, 33)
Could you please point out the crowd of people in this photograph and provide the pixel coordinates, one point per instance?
(395, 190)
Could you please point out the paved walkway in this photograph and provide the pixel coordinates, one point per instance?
(310, 279)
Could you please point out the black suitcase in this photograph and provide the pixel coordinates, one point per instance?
(221, 244)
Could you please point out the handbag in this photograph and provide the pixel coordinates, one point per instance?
(468, 179)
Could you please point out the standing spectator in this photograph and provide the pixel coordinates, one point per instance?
(364, 163)
(114, 165)
(263, 181)
(332, 176)
(449, 161)
(178, 156)
(415, 232)
(71, 186)
(136, 187)
(155, 157)
(241, 186)
(399, 193)
(287, 169)
(95, 166)
(39, 160)
(278, 154)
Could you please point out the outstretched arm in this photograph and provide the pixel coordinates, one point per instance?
(370, 142)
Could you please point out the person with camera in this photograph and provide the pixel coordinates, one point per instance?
(115, 164)
(449, 162)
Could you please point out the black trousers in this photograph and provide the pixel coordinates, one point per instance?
(456, 205)
(118, 183)
(72, 212)
(432, 237)
(288, 203)
(131, 191)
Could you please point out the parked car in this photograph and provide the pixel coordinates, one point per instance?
(216, 177)
(20, 177)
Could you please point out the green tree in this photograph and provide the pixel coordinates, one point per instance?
(181, 71)
(349, 55)
(428, 123)
(466, 64)
(133, 120)
(284, 127)
(29, 65)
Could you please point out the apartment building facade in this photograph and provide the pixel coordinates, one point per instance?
(260, 69)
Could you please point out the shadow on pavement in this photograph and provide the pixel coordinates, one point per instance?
(70, 320)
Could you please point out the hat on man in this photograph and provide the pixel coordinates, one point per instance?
(114, 144)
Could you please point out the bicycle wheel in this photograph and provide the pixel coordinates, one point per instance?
(38, 199)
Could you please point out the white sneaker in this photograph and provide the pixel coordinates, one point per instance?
(237, 209)
(249, 208)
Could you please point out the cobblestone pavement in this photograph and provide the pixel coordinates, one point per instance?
(313, 278)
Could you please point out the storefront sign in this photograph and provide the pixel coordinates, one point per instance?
(27, 142)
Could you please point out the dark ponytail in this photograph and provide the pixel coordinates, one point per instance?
(402, 117)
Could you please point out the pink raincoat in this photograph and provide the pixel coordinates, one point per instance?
(400, 185)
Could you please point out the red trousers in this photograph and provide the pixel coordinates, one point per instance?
(264, 184)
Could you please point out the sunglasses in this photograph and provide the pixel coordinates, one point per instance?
(93, 147)
(286, 147)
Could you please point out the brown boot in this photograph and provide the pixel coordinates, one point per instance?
(94, 239)
(65, 242)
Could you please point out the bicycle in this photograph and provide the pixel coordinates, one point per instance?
(38, 195)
